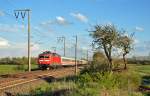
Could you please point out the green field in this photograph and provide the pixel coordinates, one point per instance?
(141, 69)
(9, 69)
(144, 69)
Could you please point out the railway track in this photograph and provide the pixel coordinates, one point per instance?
(12, 77)
(7, 83)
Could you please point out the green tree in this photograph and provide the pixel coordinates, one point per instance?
(105, 37)
(125, 44)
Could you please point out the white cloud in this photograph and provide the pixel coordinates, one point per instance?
(80, 17)
(24, 46)
(2, 13)
(17, 49)
(3, 43)
(59, 20)
(140, 29)
(11, 28)
(136, 41)
(35, 47)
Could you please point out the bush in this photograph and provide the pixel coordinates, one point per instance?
(96, 67)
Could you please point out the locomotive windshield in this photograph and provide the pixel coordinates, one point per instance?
(46, 56)
(43, 56)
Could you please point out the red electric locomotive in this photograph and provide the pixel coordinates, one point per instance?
(48, 59)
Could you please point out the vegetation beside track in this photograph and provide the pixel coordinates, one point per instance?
(93, 81)
(15, 64)
(9, 69)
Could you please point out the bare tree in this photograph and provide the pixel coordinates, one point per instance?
(105, 37)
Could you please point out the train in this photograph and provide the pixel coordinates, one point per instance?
(48, 59)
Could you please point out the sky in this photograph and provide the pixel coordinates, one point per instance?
(51, 19)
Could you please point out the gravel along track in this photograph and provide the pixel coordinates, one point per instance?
(10, 83)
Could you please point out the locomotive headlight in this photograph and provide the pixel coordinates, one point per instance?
(46, 60)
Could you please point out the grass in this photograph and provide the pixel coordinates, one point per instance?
(141, 69)
(108, 84)
(93, 83)
(144, 73)
(9, 69)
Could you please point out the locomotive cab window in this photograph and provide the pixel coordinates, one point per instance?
(46, 56)
(41, 56)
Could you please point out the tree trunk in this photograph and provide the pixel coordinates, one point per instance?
(110, 61)
(124, 59)
(108, 55)
(110, 58)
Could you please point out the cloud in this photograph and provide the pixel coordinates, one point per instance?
(11, 28)
(3, 43)
(139, 29)
(2, 13)
(80, 17)
(136, 41)
(141, 48)
(59, 20)
(35, 47)
(14, 49)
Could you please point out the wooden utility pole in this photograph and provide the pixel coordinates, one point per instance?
(87, 56)
(64, 46)
(76, 65)
(29, 53)
(23, 13)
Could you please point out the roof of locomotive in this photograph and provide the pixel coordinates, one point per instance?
(49, 53)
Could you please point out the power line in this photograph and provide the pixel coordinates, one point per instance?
(64, 41)
(11, 16)
(10, 3)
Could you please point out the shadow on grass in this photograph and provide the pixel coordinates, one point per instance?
(9, 76)
(35, 69)
(145, 85)
(48, 79)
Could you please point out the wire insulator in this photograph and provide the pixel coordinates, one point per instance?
(23, 14)
(16, 14)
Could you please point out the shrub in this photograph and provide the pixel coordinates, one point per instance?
(96, 67)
